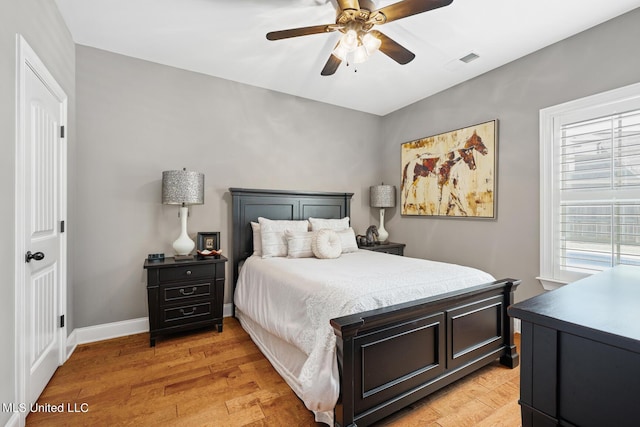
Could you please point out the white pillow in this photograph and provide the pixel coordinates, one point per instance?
(331, 224)
(348, 240)
(257, 239)
(299, 244)
(274, 244)
(325, 244)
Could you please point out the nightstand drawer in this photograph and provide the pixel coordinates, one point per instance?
(188, 272)
(185, 292)
(186, 313)
(387, 248)
(393, 251)
(184, 295)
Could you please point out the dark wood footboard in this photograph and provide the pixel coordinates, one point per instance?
(389, 358)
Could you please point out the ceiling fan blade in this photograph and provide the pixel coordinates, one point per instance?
(331, 66)
(304, 31)
(393, 50)
(406, 8)
(348, 4)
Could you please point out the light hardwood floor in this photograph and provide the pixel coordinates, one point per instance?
(211, 379)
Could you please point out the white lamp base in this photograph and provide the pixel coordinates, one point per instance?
(183, 244)
(383, 235)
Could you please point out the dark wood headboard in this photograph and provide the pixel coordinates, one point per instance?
(249, 204)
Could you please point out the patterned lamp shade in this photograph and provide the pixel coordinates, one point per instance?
(382, 196)
(182, 187)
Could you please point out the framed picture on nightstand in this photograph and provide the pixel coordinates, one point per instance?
(208, 241)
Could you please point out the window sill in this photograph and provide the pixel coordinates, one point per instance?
(550, 284)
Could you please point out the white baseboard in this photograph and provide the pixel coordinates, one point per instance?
(107, 331)
(517, 326)
(116, 329)
(72, 343)
(227, 310)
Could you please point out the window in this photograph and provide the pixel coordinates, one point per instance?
(590, 185)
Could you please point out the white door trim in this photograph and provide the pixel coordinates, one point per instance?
(26, 58)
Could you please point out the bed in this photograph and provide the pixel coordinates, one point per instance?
(384, 358)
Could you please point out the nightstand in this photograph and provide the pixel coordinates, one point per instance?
(184, 295)
(389, 248)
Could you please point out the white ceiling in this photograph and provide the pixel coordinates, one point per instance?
(227, 39)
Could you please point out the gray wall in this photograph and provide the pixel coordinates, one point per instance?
(136, 119)
(596, 60)
(43, 28)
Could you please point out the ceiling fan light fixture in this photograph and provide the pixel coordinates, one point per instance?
(340, 52)
(360, 54)
(371, 43)
(350, 40)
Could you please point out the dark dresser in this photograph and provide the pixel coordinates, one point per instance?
(580, 352)
(184, 295)
(389, 248)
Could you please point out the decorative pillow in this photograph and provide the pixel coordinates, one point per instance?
(325, 244)
(348, 240)
(274, 244)
(299, 244)
(257, 239)
(331, 224)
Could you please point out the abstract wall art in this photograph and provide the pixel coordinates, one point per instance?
(451, 174)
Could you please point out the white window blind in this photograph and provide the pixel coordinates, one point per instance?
(599, 181)
(590, 185)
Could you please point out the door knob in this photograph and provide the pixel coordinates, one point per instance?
(29, 256)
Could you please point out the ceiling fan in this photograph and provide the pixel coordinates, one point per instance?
(355, 19)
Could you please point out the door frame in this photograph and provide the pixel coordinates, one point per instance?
(26, 58)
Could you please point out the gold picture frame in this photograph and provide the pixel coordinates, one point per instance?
(452, 174)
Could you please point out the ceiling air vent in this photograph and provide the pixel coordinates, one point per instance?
(470, 57)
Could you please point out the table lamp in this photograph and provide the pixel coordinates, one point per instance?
(184, 188)
(382, 196)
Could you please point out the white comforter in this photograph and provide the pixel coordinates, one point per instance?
(295, 298)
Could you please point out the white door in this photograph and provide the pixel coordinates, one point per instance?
(42, 110)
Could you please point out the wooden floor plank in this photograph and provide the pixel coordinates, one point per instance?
(221, 379)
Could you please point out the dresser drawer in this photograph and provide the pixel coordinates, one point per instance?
(189, 313)
(171, 294)
(188, 272)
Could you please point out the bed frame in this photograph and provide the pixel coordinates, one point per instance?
(391, 357)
